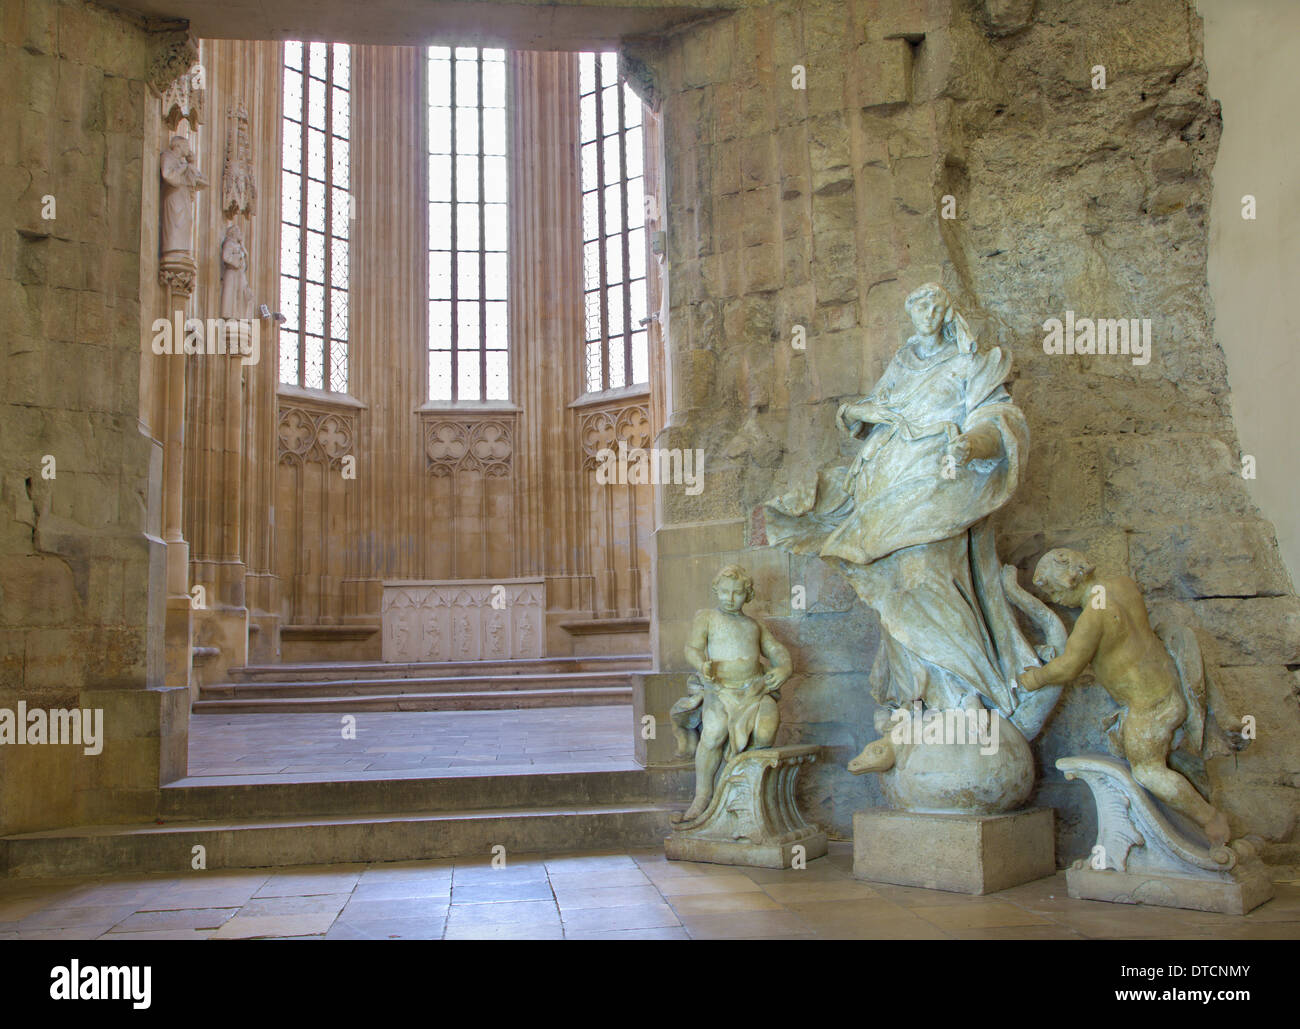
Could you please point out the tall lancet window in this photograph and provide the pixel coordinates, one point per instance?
(315, 212)
(613, 226)
(469, 356)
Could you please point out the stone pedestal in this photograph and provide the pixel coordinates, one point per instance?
(1236, 894)
(753, 818)
(960, 853)
(1142, 856)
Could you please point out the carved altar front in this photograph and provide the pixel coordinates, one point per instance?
(463, 619)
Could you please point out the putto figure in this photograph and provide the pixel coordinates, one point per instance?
(730, 705)
(1163, 692)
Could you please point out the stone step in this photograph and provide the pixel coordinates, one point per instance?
(289, 794)
(273, 842)
(262, 690)
(585, 696)
(394, 670)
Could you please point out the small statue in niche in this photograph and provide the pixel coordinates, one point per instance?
(730, 704)
(181, 179)
(236, 297)
(1159, 684)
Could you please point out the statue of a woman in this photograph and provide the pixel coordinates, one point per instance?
(180, 180)
(236, 297)
(908, 523)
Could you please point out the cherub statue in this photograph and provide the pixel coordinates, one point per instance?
(1159, 684)
(730, 700)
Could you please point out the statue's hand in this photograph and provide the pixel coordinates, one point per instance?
(960, 449)
(707, 671)
(1030, 679)
(774, 678)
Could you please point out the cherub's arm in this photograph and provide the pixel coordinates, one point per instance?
(697, 646)
(1079, 651)
(777, 656)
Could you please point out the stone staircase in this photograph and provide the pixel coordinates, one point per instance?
(426, 686)
(298, 820)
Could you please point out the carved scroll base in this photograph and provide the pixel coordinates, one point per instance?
(753, 818)
(974, 854)
(1143, 857)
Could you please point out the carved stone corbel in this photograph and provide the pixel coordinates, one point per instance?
(175, 79)
(238, 183)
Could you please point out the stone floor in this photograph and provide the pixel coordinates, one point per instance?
(606, 896)
(438, 742)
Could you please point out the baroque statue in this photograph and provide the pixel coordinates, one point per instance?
(908, 523)
(744, 810)
(730, 698)
(1160, 685)
(1159, 839)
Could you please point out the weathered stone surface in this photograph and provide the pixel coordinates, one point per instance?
(1220, 558)
(1138, 464)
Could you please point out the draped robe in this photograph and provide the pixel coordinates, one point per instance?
(912, 532)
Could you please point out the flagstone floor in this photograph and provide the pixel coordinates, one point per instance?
(604, 896)
(411, 742)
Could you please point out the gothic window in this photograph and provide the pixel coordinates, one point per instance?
(315, 211)
(469, 356)
(613, 226)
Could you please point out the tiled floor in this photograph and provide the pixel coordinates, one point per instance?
(607, 896)
(406, 742)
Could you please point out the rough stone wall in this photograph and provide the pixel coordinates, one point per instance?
(820, 207)
(75, 563)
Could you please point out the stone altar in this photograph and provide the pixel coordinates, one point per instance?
(463, 619)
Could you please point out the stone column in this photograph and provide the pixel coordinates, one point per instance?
(546, 331)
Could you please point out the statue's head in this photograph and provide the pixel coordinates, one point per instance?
(234, 234)
(180, 146)
(932, 310)
(733, 587)
(1060, 573)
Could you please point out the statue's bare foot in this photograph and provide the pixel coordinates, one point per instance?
(1217, 829)
(875, 757)
(695, 810)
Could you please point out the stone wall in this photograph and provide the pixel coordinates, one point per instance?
(820, 207)
(79, 548)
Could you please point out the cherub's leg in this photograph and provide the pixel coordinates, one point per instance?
(1146, 745)
(766, 722)
(684, 733)
(713, 736)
